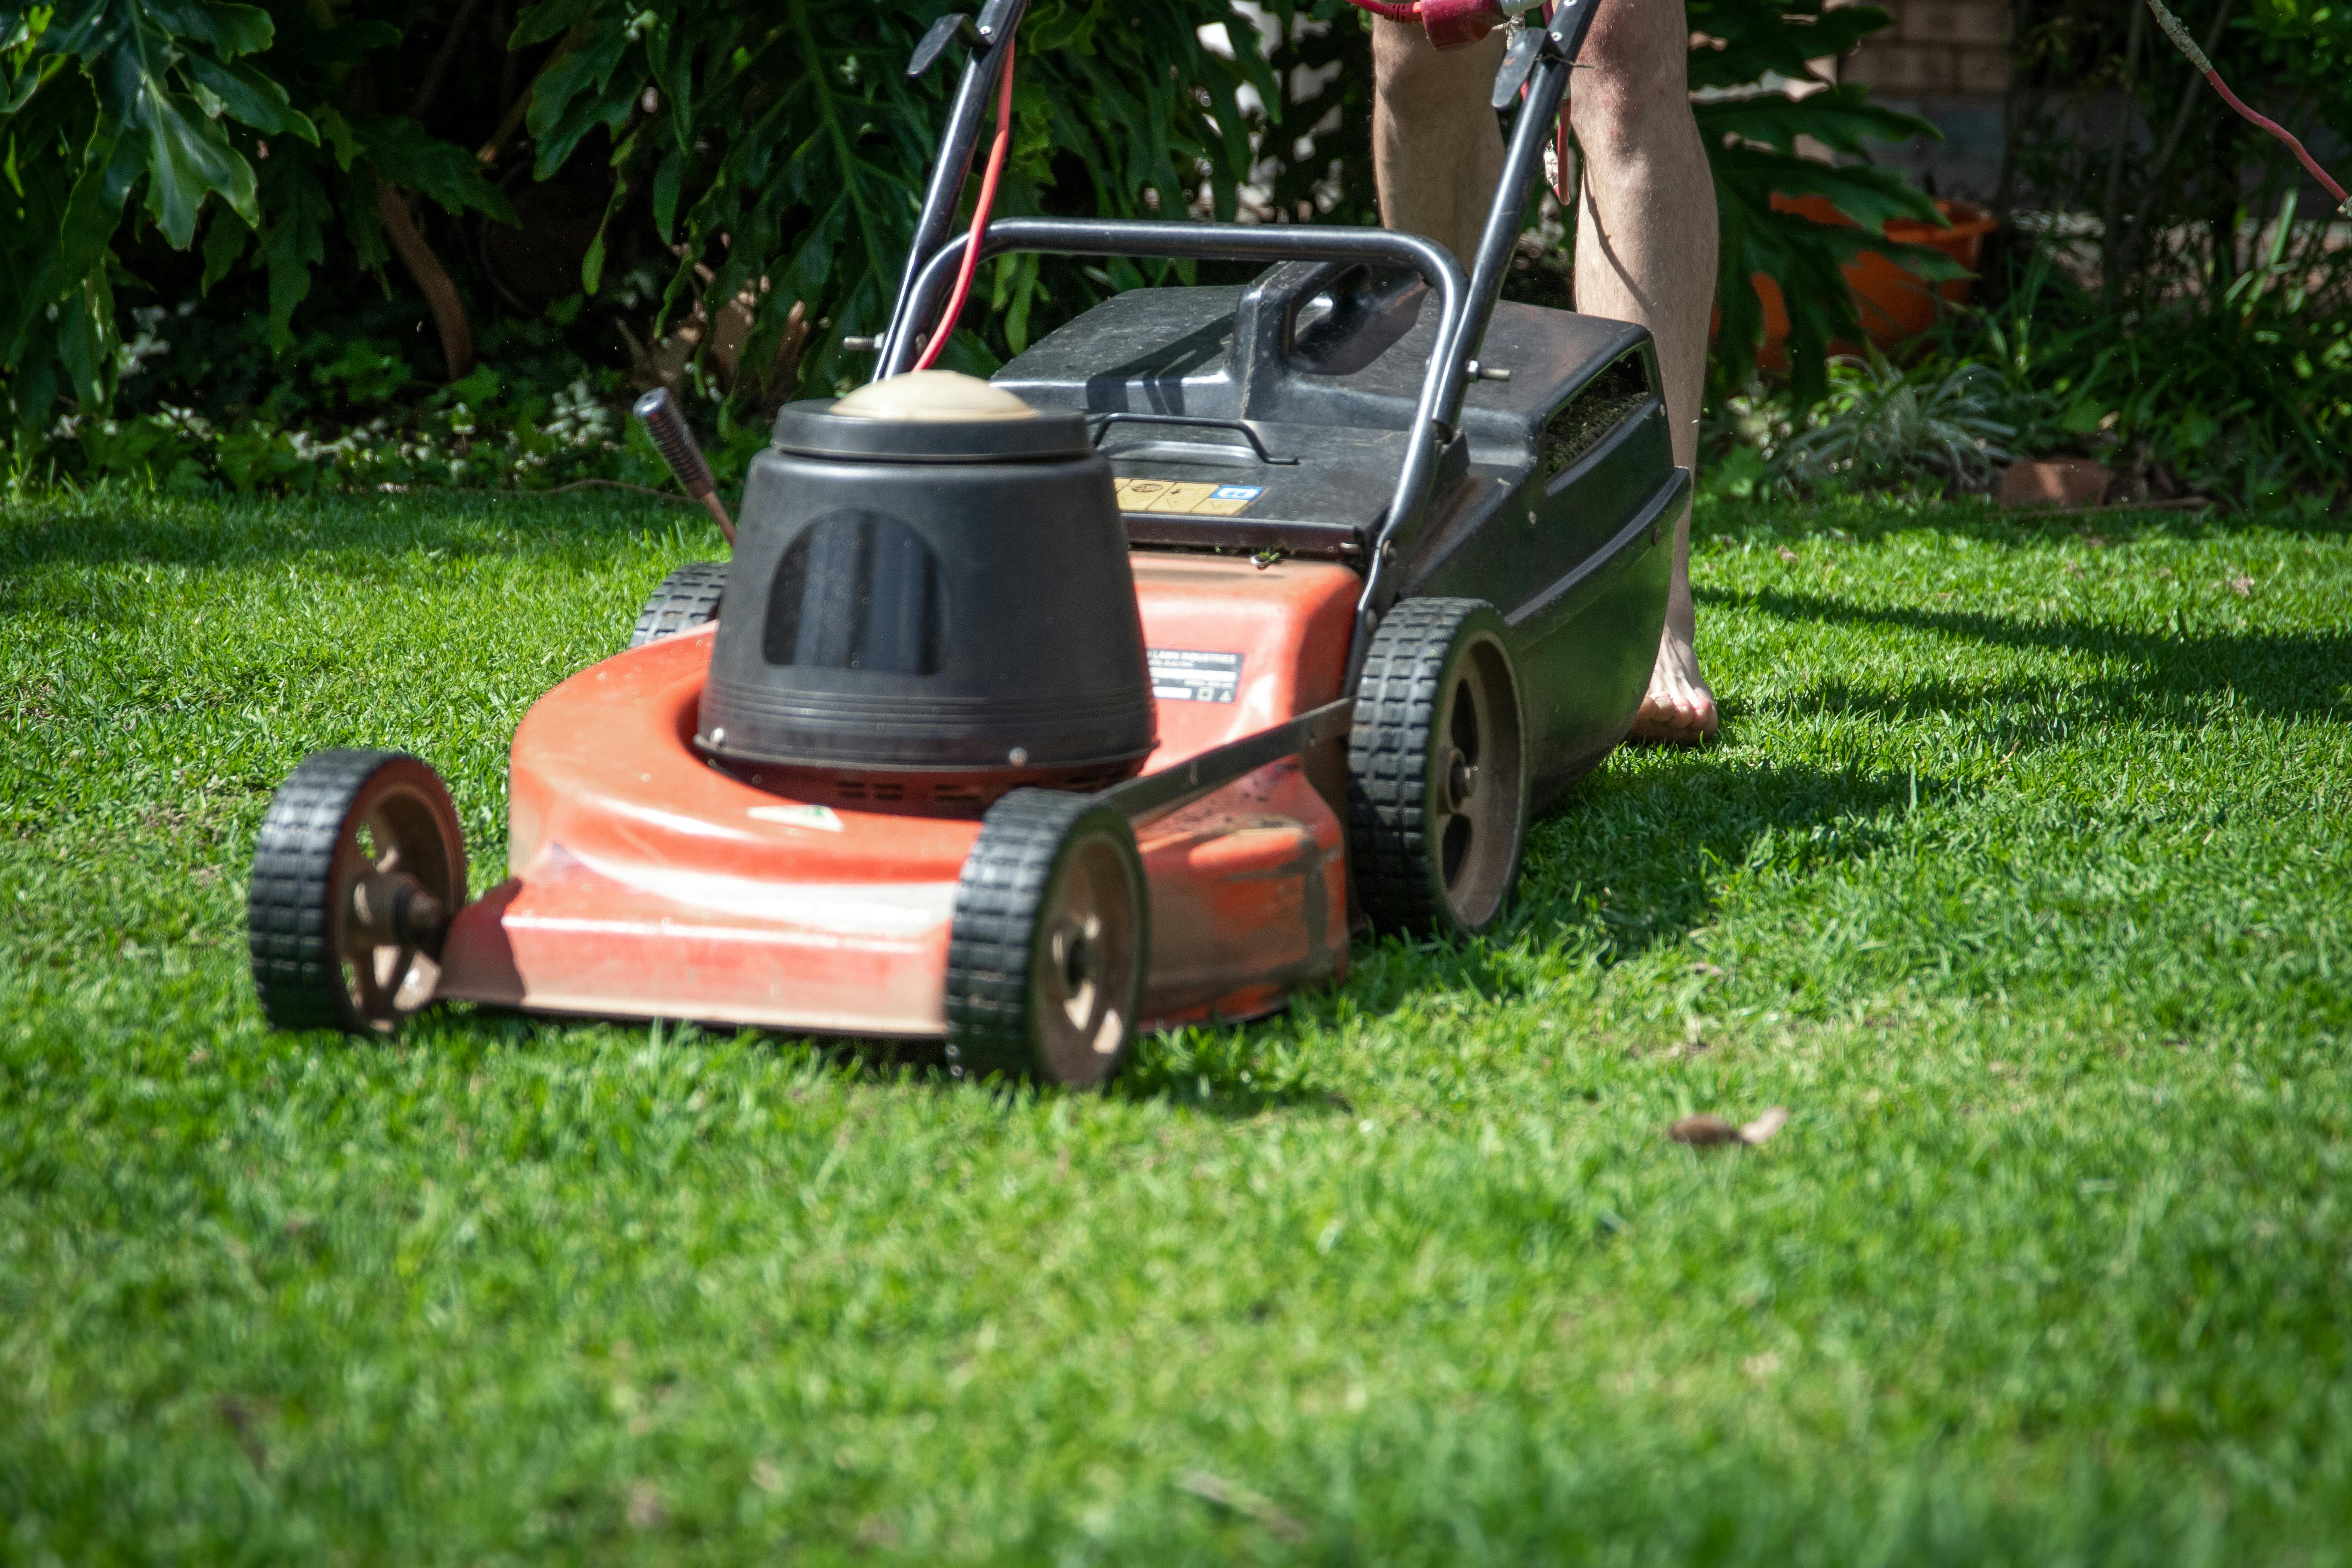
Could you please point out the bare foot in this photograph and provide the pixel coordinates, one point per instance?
(1679, 710)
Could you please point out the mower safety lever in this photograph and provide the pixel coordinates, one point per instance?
(1517, 61)
(674, 442)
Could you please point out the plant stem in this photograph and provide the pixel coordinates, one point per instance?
(442, 56)
(2137, 238)
(432, 280)
(2111, 206)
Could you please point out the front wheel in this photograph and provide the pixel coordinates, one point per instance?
(360, 867)
(1437, 769)
(1047, 950)
(687, 599)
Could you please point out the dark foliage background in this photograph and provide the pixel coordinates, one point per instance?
(395, 241)
(581, 175)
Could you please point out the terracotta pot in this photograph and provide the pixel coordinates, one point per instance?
(1893, 303)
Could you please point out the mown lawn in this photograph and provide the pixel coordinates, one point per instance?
(2022, 878)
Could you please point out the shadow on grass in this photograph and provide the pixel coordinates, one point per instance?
(1866, 519)
(2280, 674)
(1632, 860)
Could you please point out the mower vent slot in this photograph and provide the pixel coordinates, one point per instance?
(857, 590)
(1585, 420)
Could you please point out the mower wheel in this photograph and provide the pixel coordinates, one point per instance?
(688, 597)
(1437, 769)
(1051, 934)
(360, 867)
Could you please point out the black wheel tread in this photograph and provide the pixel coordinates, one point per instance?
(296, 972)
(688, 597)
(1388, 761)
(995, 920)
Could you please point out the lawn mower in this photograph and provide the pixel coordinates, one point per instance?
(1109, 695)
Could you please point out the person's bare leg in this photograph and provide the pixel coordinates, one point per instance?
(1437, 149)
(1645, 252)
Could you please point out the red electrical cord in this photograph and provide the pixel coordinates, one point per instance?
(996, 153)
(2188, 47)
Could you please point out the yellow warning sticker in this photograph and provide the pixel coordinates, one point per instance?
(1187, 496)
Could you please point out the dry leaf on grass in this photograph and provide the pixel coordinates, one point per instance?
(1242, 1500)
(1713, 1131)
(648, 1509)
(1703, 1131)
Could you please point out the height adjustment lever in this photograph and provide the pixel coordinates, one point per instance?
(934, 43)
(674, 442)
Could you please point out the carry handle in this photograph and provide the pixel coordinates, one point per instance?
(1103, 422)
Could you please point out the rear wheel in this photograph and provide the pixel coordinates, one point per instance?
(1437, 771)
(1046, 954)
(358, 871)
(688, 597)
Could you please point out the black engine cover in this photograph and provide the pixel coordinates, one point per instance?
(930, 596)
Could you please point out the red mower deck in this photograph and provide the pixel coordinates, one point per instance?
(648, 883)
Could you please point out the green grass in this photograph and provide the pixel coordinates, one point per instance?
(2021, 877)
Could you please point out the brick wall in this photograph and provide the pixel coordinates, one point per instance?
(1935, 46)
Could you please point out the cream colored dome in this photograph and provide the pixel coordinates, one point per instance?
(933, 397)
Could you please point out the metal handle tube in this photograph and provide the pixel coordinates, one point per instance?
(1539, 112)
(1522, 163)
(973, 94)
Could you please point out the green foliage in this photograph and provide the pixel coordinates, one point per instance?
(1882, 424)
(784, 146)
(343, 414)
(1751, 144)
(2248, 395)
(772, 155)
(180, 101)
(1939, 427)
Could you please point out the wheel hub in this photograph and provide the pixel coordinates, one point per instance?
(393, 909)
(1461, 781)
(1074, 945)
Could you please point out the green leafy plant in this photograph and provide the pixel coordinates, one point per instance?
(784, 149)
(1751, 127)
(2246, 394)
(1882, 424)
(251, 121)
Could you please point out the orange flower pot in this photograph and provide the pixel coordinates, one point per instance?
(1894, 303)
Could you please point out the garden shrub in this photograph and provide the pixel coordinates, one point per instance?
(211, 200)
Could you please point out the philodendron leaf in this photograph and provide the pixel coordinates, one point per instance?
(231, 30)
(405, 155)
(248, 96)
(1838, 117)
(296, 239)
(190, 158)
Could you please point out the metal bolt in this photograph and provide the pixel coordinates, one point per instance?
(1018, 756)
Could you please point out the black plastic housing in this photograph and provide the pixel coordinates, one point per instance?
(931, 597)
(1554, 499)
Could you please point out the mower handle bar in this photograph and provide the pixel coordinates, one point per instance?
(1465, 304)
